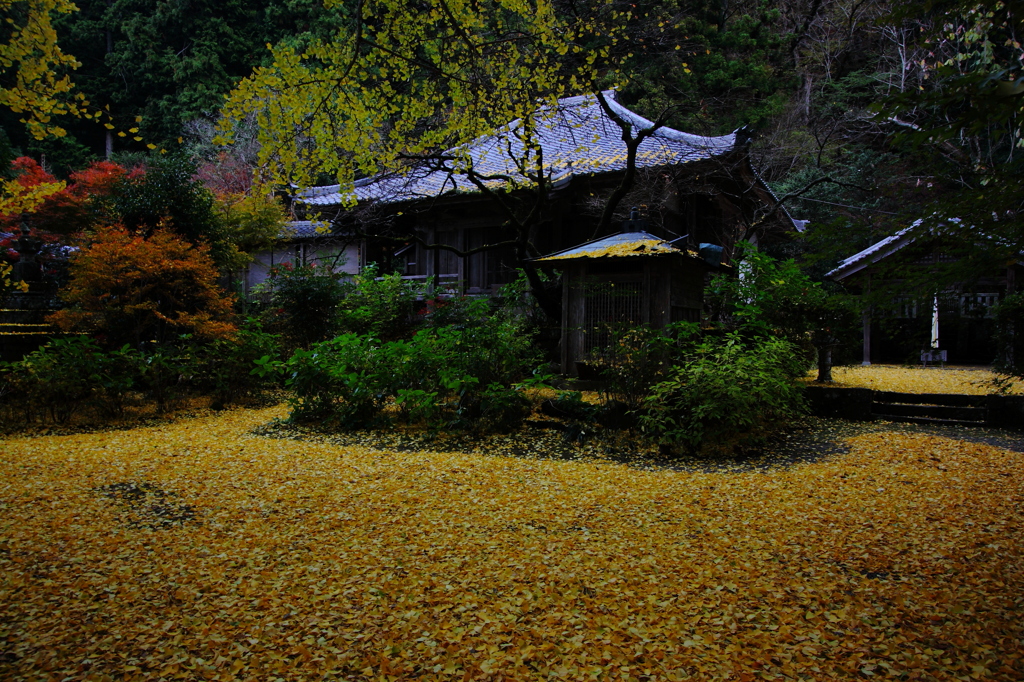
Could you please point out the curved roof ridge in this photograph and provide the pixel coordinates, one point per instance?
(577, 137)
(665, 131)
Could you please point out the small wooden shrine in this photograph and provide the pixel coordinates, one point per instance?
(631, 278)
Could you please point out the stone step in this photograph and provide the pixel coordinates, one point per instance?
(930, 411)
(14, 316)
(928, 420)
(14, 347)
(953, 400)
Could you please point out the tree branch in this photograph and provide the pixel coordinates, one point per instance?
(795, 195)
(632, 145)
(461, 253)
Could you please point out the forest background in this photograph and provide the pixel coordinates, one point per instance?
(901, 103)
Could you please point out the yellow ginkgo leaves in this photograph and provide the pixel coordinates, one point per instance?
(33, 66)
(199, 550)
(904, 379)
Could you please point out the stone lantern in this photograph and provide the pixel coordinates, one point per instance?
(28, 269)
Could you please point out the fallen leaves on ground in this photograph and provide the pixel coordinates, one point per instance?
(199, 550)
(906, 379)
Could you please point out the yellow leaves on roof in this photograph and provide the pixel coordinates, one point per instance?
(583, 159)
(909, 379)
(639, 247)
(198, 550)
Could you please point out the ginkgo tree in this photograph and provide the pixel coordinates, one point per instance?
(414, 85)
(33, 69)
(34, 82)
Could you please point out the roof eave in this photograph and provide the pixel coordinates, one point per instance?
(871, 255)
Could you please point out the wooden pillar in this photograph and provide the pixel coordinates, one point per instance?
(646, 295)
(566, 284)
(866, 321)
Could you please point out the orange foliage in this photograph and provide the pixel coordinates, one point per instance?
(129, 289)
(30, 173)
(77, 207)
(225, 175)
(98, 179)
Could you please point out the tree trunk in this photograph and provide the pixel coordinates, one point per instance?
(549, 298)
(824, 362)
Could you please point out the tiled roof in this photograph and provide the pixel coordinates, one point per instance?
(873, 253)
(935, 226)
(305, 229)
(577, 139)
(876, 252)
(618, 246)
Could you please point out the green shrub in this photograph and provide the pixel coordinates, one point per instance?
(1009, 316)
(456, 311)
(115, 378)
(69, 374)
(337, 380)
(58, 379)
(454, 377)
(769, 297)
(637, 358)
(379, 306)
(727, 395)
(304, 303)
(496, 408)
(224, 367)
(571, 405)
(166, 373)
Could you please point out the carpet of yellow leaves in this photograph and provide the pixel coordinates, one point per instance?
(300, 560)
(904, 379)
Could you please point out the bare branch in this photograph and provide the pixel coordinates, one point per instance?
(777, 204)
(632, 145)
(462, 253)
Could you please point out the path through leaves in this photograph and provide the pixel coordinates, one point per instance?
(915, 379)
(197, 550)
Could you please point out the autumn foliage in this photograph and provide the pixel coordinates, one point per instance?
(70, 207)
(130, 289)
(199, 550)
(30, 187)
(33, 69)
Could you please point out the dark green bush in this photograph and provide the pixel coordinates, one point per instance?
(60, 378)
(379, 306)
(1009, 316)
(770, 297)
(571, 405)
(224, 367)
(304, 303)
(457, 377)
(727, 395)
(340, 380)
(497, 408)
(637, 358)
(73, 375)
(115, 380)
(456, 311)
(166, 374)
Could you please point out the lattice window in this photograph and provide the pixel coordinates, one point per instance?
(608, 306)
(906, 308)
(978, 305)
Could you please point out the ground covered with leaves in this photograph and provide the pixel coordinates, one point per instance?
(227, 547)
(915, 379)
